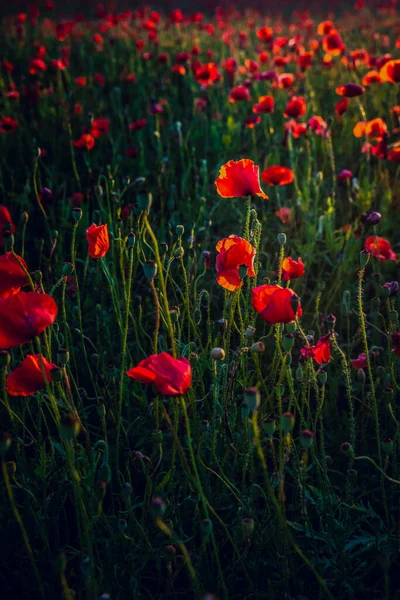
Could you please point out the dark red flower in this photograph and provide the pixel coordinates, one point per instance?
(333, 44)
(264, 105)
(318, 125)
(342, 106)
(379, 248)
(24, 316)
(8, 124)
(27, 378)
(12, 275)
(138, 125)
(275, 304)
(276, 175)
(100, 127)
(321, 352)
(234, 252)
(265, 34)
(239, 93)
(99, 243)
(85, 142)
(296, 107)
(292, 269)
(170, 376)
(239, 178)
(396, 343)
(350, 90)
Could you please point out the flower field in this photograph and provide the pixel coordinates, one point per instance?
(199, 330)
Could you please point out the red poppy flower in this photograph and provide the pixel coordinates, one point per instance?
(360, 362)
(345, 174)
(138, 125)
(265, 34)
(80, 81)
(24, 316)
(295, 129)
(27, 378)
(333, 43)
(274, 303)
(350, 90)
(371, 77)
(296, 107)
(318, 125)
(97, 237)
(251, 121)
(234, 251)
(239, 178)
(12, 275)
(100, 127)
(85, 142)
(36, 65)
(284, 81)
(230, 65)
(324, 28)
(264, 105)
(5, 223)
(321, 352)
(390, 71)
(292, 269)
(394, 155)
(77, 199)
(342, 106)
(176, 16)
(276, 175)
(239, 93)
(170, 376)
(207, 74)
(304, 60)
(99, 79)
(379, 248)
(375, 129)
(8, 124)
(285, 215)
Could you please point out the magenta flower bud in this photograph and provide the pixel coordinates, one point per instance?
(373, 218)
(392, 286)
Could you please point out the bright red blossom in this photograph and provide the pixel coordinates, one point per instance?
(12, 275)
(99, 243)
(292, 269)
(276, 175)
(321, 352)
(380, 248)
(24, 316)
(27, 378)
(296, 107)
(239, 178)
(234, 251)
(170, 376)
(273, 303)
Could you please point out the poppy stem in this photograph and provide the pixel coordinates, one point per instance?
(246, 233)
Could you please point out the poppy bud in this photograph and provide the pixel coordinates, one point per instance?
(5, 359)
(179, 252)
(163, 248)
(269, 426)
(77, 214)
(291, 327)
(294, 303)
(218, 354)
(252, 398)
(122, 524)
(347, 449)
(388, 446)
(247, 526)
(69, 427)
(206, 527)
(62, 357)
(306, 439)
(286, 422)
(364, 258)
(281, 239)
(373, 218)
(157, 507)
(321, 285)
(322, 376)
(207, 259)
(361, 376)
(24, 218)
(144, 201)
(331, 320)
(390, 288)
(352, 474)
(288, 342)
(68, 269)
(169, 553)
(5, 442)
(150, 269)
(388, 394)
(257, 347)
(131, 240)
(179, 230)
(250, 331)
(100, 490)
(56, 375)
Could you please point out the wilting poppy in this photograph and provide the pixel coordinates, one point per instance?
(85, 142)
(24, 316)
(292, 269)
(5, 223)
(12, 275)
(170, 376)
(276, 175)
(286, 215)
(239, 178)
(350, 90)
(321, 352)
(296, 107)
(390, 71)
(276, 304)
(234, 252)
(379, 248)
(99, 243)
(264, 105)
(239, 93)
(27, 378)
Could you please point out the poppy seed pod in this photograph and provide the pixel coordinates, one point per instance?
(77, 214)
(247, 526)
(252, 398)
(150, 269)
(330, 320)
(288, 342)
(388, 446)
(291, 327)
(206, 527)
(281, 239)
(218, 354)
(286, 422)
(157, 507)
(269, 426)
(257, 347)
(179, 230)
(347, 449)
(306, 438)
(294, 302)
(250, 331)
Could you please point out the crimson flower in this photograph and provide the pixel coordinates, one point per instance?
(275, 303)
(239, 178)
(318, 125)
(350, 90)
(276, 175)
(100, 127)
(239, 93)
(99, 243)
(24, 316)
(345, 174)
(321, 352)
(85, 142)
(171, 376)
(27, 378)
(361, 361)
(234, 251)
(296, 107)
(380, 248)
(391, 71)
(333, 44)
(264, 105)
(292, 269)
(12, 275)
(341, 106)
(8, 124)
